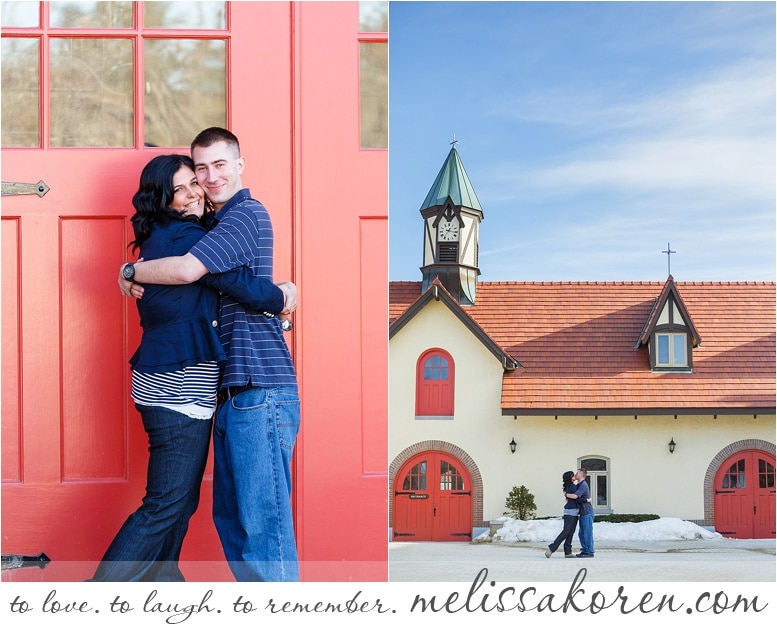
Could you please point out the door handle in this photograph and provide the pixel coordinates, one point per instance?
(40, 189)
(434, 510)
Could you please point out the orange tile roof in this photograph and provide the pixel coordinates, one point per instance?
(575, 341)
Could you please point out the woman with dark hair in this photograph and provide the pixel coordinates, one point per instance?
(571, 513)
(175, 371)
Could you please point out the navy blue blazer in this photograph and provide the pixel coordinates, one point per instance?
(180, 322)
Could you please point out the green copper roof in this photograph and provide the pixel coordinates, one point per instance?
(452, 181)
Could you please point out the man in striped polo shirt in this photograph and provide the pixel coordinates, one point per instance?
(258, 414)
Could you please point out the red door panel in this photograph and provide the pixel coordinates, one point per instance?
(10, 393)
(764, 522)
(65, 392)
(454, 515)
(432, 500)
(413, 504)
(745, 496)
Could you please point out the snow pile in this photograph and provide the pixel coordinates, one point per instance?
(546, 530)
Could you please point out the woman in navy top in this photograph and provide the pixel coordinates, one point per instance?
(571, 513)
(175, 371)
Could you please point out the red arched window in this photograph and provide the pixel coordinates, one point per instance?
(434, 384)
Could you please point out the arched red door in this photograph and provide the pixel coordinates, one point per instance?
(433, 500)
(744, 496)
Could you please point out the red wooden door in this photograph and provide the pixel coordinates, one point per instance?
(74, 451)
(432, 500)
(745, 496)
(435, 378)
(413, 504)
(453, 521)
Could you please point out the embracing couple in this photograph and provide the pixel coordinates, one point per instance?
(212, 340)
(577, 504)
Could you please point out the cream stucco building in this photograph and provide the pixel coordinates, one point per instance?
(665, 392)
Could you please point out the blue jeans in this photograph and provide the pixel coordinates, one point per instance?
(253, 442)
(586, 534)
(566, 534)
(148, 545)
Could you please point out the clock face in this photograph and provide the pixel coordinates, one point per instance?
(448, 231)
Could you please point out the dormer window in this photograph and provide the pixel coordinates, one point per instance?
(671, 350)
(669, 333)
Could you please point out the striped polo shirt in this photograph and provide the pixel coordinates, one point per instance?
(257, 352)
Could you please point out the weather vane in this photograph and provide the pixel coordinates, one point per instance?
(668, 252)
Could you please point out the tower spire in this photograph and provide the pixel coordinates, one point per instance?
(452, 215)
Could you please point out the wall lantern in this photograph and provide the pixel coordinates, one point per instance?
(672, 445)
(513, 445)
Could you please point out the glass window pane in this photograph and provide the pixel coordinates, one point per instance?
(601, 490)
(594, 465)
(765, 475)
(662, 357)
(735, 477)
(449, 477)
(185, 89)
(20, 103)
(90, 14)
(91, 92)
(20, 14)
(373, 94)
(373, 17)
(416, 477)
(185, 15)
(678, 347)
(436, 368)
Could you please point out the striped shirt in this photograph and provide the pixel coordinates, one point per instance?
(191, 391)
(257, 352)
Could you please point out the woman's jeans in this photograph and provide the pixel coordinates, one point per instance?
(148, 545)
(253, 442)
(566, 535)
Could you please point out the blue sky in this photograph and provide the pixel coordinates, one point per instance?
(594, 133)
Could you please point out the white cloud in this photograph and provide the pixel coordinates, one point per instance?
(717, 135)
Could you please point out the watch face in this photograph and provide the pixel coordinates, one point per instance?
(129, 271)
(448, 231)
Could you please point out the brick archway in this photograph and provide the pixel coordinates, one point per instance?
(456, 452)
(715, 464)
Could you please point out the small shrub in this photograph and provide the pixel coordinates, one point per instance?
(520, 503)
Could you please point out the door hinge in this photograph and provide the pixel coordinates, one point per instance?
(15, 561)
(40, 189)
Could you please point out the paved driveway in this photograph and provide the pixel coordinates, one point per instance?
(743, 560)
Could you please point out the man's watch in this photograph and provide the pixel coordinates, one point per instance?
(128, 272)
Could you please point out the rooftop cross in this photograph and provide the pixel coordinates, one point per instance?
(668, 252)
(454, 141)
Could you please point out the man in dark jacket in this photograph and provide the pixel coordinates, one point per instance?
(586, 531)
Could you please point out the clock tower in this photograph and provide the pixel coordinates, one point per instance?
(452, 216)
